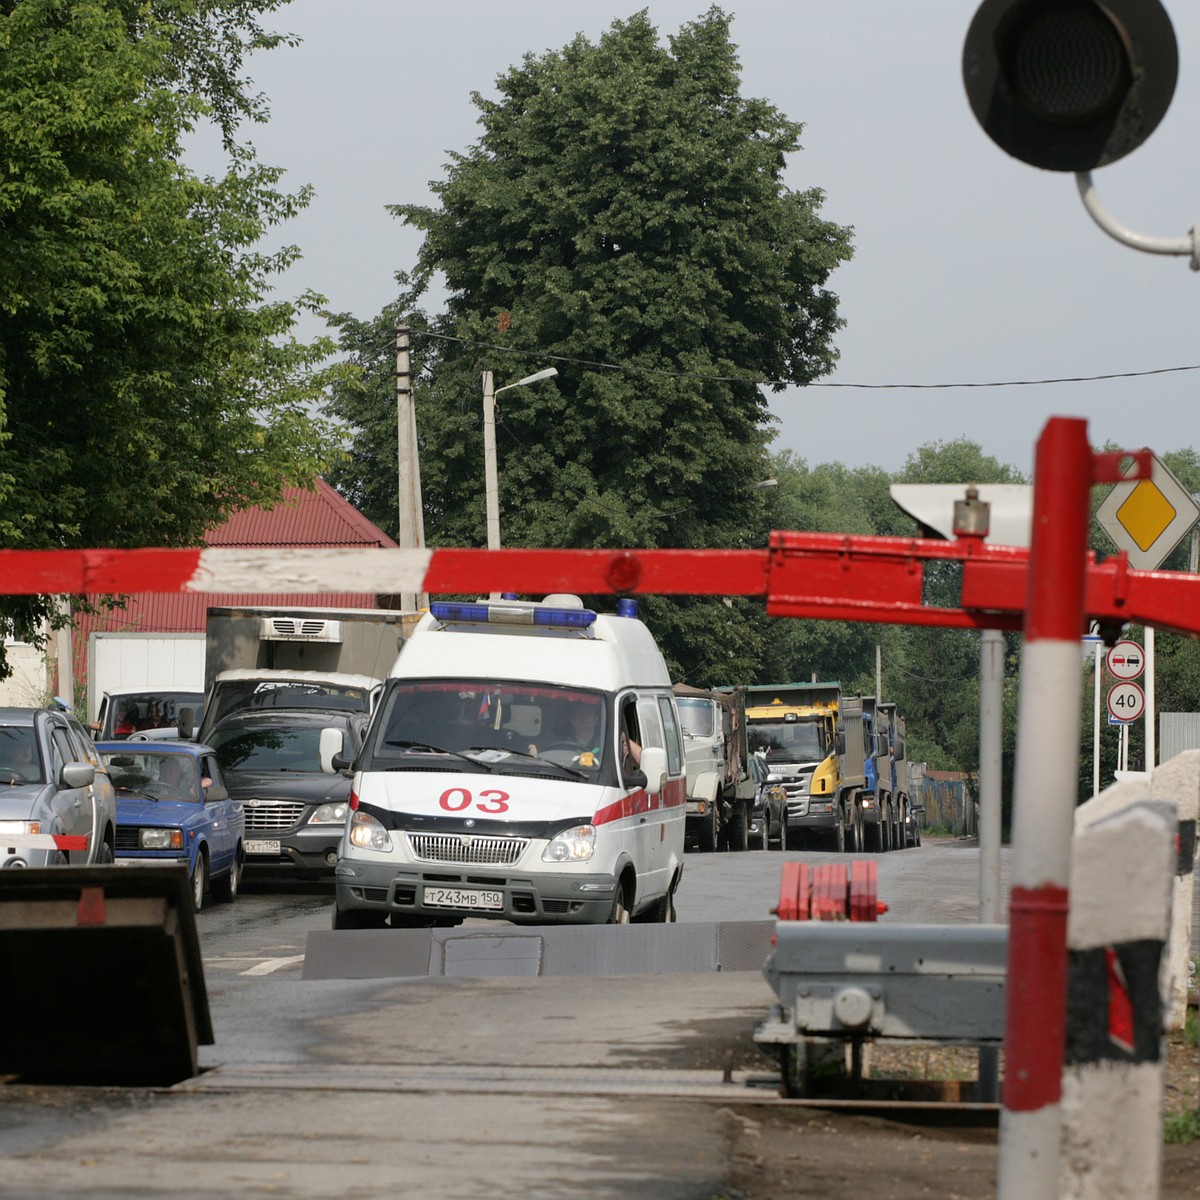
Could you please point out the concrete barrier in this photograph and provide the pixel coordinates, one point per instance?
(1122, 879)
(102, 981)
(532, 950)
(1178, 780)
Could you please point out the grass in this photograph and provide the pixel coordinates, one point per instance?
(941, 829)
(1181, 1128)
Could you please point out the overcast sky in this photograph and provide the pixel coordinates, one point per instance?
(969, 266)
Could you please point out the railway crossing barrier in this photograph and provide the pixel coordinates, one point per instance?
(1050, 591)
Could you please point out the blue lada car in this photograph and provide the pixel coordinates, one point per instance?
(173, 807)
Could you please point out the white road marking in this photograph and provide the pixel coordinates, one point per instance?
(261, 966)
(267, 966)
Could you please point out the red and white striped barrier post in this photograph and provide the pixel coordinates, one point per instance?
(1122, 880)
(1178, 780)
(1045, 786)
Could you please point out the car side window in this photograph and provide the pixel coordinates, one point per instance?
(671, 730)
(79, 752)
(650, 722)
(210, 769)
(63, 751)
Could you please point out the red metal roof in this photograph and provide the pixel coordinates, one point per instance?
(301, 518)
(318, 518)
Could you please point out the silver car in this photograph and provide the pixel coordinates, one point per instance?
(57, 805)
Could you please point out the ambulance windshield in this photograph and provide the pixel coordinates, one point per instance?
(492, 723)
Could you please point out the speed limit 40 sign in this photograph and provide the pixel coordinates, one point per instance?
(1126, 702)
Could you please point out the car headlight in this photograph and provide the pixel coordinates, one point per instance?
(160, 839)
(16, 827)
(366, 833)
(330, 814)
(576, 844)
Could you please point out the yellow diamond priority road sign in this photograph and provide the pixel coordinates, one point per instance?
(1148, 518)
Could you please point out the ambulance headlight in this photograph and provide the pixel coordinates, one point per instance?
(366, 833)
(572, 845)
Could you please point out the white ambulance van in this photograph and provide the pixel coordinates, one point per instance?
(524, 763)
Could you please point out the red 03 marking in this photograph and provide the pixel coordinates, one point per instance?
(457, 799)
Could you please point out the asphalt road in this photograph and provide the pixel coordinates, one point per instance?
(618, 1086)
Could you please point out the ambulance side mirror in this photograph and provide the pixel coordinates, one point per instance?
(330, 749)
(654, 767)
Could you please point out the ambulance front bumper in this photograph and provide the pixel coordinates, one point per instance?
(445, 896)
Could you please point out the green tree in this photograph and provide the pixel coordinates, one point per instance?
(148, 384)
(623, 216)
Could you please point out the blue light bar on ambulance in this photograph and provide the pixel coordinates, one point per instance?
(482, 613)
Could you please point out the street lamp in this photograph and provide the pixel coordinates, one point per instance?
(491, 486)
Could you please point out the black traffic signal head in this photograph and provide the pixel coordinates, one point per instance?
(1070, 85)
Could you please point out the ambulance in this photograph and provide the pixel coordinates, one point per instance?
(524, 763)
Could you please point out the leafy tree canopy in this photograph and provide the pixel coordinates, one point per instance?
(622, 216)
(148, 384)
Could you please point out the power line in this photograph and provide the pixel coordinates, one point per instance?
(758, 381)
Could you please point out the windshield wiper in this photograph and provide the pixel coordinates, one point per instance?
(427, 748)
(534, 758)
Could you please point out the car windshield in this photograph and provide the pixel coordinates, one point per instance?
(493, 722)
(132, 712)
(20, 761)
(234, 694)
(788, 741)
(696, 716)
(268, 748)
(162, 776)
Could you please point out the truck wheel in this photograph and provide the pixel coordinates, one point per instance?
(708, 830)
(854, 838)
(739, 829)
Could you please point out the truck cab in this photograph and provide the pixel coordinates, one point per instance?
(811, 736)
(720, 782)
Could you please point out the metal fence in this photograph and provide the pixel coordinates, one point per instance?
(949, 802)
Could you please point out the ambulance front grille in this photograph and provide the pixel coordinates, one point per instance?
(466, 848)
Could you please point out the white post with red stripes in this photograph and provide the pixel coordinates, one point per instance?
(1178, 779)
(1122, 879)
(1045, 787)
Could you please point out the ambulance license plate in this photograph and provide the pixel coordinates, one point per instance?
(262, 846)
(456, 897)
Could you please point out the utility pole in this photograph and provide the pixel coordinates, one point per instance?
(411, 524)
(491, 480)
(491, 483)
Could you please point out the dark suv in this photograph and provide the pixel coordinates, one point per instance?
(279, 764)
